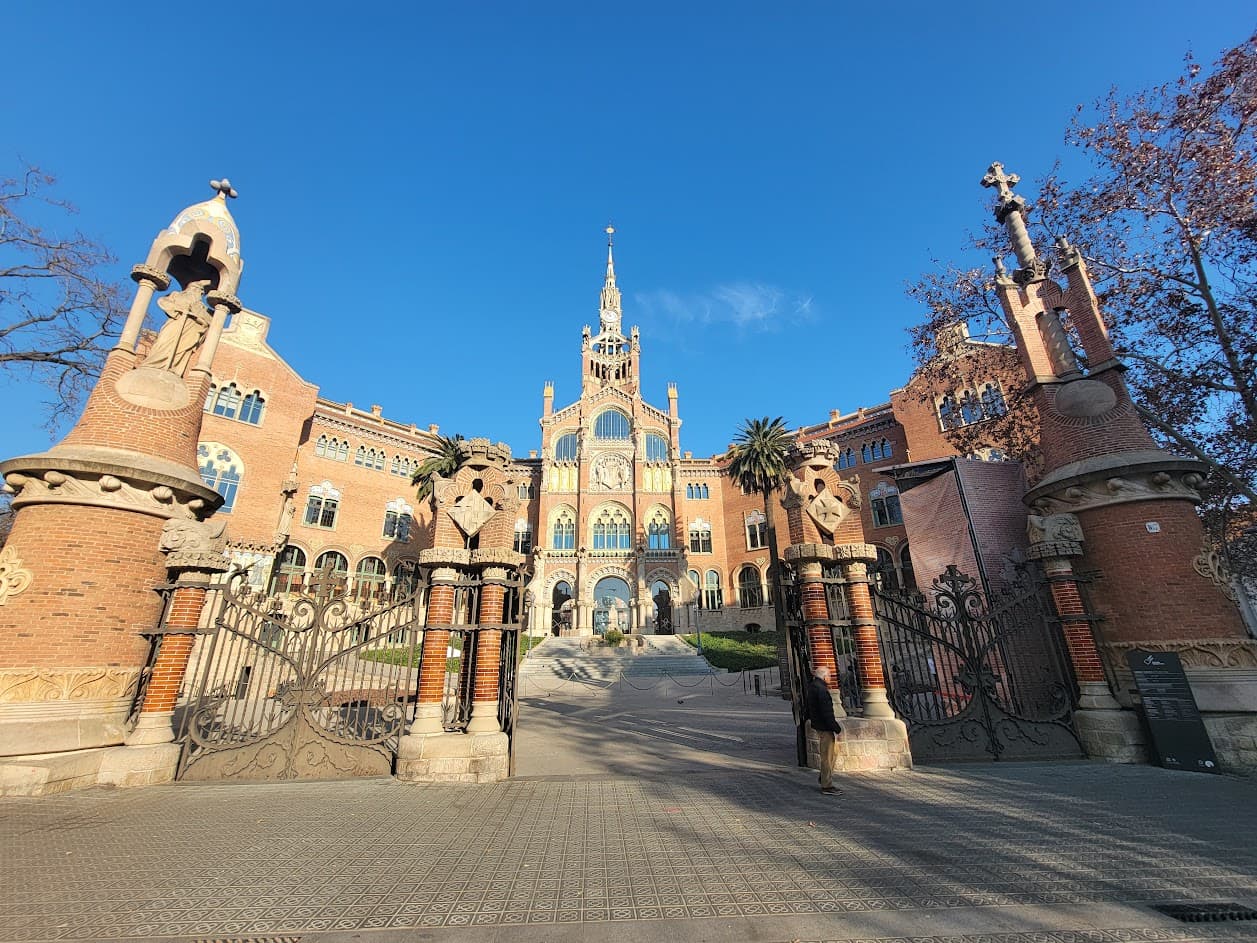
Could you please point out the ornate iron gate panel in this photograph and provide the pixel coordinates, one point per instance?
(978, 680)
(313, 688)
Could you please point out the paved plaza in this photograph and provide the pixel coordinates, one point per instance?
(666, 814)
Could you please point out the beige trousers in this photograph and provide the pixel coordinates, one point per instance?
(826, 740)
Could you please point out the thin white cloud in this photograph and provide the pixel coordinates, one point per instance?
(749, 306)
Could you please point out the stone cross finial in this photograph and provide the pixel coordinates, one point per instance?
(224, 188)
(995, 177)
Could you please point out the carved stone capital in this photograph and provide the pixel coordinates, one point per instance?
(496, 556)
(1054, 536)
(1054, 550)
(202, 561)
(224, 298)
(154, 276)
(808, 553)
(14, 577)
(55, 479)
(448, 556)
(855, 553)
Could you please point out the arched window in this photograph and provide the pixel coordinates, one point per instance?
(712, 596)
(360, 457)
(886, 452)
(846, 459)
(290, 572)
(970, 408)
(221, 469)
(948, 415)
(700, 536)
(698, 583)
(322, 505)
(993, 401)
(369, 579)
(209, 397)
(884, 576)
(907, 577)
(227, 402)
(525, 490)
(251, 408)
(866, 453)
(567, 448)
(405, 578)
(750, 589)
(564, 530)
(330, 447)
(399, 517)
(756, 530)
(523, 537)
(659, 530)
(886, 510)
(656, 448)
(611, 424)
(612, 530)
(334, 565)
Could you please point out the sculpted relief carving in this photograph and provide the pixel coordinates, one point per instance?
(14, 577)
(102, 490)
(612, 472)
(19, 685)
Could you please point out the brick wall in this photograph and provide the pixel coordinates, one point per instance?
(92, 592)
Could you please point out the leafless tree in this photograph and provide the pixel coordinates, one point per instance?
(58, 308)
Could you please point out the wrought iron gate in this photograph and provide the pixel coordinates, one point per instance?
(314, 687)
(978, 679)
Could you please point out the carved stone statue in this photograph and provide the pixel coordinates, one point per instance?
(182, 334)
(1054, 528)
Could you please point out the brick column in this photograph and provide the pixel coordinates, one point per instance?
(820, 637)
(869, 654)
(435, 645)
(1080, 643)
(1104, 729)
(484, 715)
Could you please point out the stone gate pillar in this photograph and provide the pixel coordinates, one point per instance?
(474, 513)
(1106, 731)
(872, 675)
(82, 562)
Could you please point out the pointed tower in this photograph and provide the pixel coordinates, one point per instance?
(94, 513)
(610, 359)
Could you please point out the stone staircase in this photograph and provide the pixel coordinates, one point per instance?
(584, 659)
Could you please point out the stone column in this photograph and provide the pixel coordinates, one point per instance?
(223, 303)
(148, 279)
(1106, 731)
(869, 654)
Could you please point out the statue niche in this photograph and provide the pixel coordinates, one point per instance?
(182, 334)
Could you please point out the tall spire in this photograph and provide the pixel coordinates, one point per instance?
(609, 301)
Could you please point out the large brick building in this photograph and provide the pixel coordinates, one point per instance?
(622, 528)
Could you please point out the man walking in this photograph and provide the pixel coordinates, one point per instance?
(820, 711)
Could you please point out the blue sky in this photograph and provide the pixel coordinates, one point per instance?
(423, 188)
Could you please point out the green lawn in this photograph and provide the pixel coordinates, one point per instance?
(738, 651)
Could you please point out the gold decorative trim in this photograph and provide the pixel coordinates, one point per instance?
(14, 578)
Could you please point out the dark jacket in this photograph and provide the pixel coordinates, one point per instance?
(820, 706)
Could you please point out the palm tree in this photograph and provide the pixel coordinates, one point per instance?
(448, 459)
(757, 462)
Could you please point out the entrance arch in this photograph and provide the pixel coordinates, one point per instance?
(611, 605)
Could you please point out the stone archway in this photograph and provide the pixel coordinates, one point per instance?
(612, 598)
